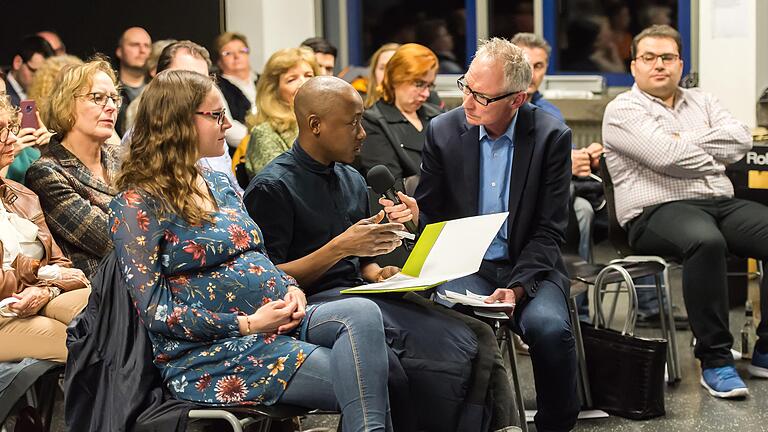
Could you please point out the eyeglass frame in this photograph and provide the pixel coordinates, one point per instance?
(218, 115)
(31, 69)
(656, 58)
(116, 99)
(243, 51)
(421, 85)
(12, 128)
(463, 85)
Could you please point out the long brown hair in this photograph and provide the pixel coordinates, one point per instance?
(164, 145)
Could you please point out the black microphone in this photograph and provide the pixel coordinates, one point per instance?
(383, 183)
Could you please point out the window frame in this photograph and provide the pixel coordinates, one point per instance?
(550, 18)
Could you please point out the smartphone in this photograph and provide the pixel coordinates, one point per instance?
(29, 114)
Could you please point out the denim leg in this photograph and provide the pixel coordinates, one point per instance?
(544, 324)
(585, 216)
(647, 298)
(352, 360)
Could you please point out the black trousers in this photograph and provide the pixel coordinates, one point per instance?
(702, 233)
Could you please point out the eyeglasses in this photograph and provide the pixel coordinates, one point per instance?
(243, 51)
(421, 85)
(31, 69)
(650, 58)
(102, 98)
(4, 132)
(218, 115)
(481, 99)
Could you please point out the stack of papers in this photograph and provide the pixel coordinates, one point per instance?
(477, 301)
(445, 251)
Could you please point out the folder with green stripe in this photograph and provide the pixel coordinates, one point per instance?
(445, 251)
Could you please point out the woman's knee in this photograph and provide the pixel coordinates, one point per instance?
(360, 311)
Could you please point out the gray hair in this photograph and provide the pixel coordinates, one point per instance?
(517, 70)
(531, 40)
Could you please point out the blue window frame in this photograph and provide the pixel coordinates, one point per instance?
(552, 14)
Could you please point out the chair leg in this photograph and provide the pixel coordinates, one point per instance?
(504, 336)
(224, 415)
(586, 393)
(667, 327)
(673, 331)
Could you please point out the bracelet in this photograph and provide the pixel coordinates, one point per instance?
(248, 324)
(55, 291)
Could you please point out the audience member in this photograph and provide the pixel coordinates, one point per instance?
(237, 81)
(468, 169)
(434, 34)
(583, 161)
(29, 140)
(376, 67)
(326, 238)
(537, 50)
(154, 55)
(220, 315)
(32, 269)
(133, 49)
(28, 57)
(620, 20)
(187, 55)
(74, 174)
(276, 129)
(130, 111)
(396, 124)
(54, 41)
(667, 149)
(325, 54)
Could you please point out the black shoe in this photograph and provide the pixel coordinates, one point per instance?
(654, 321)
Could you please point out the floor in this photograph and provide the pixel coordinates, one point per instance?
(688, 406)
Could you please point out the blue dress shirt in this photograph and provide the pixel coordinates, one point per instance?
(495, 174)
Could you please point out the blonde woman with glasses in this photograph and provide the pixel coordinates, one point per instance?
(276, 129)
(74, 174)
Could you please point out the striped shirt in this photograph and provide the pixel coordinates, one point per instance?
(658, 154)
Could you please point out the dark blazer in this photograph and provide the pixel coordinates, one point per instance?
(538, 195)
(15, 99)
(384, 145)
(236, 100)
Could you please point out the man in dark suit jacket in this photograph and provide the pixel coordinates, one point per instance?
(498, 153)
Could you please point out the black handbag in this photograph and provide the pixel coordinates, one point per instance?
(626, 372)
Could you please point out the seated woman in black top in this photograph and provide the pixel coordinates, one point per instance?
(397, 122)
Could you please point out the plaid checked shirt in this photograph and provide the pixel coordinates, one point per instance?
(658, 154)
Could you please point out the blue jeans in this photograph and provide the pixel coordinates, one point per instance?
(544, 324)
(348, 370)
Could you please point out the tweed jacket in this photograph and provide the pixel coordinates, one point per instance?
(75, 203)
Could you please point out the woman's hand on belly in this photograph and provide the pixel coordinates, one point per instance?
(295, 294)
(273, 317)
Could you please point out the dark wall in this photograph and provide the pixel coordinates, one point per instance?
(90, 26)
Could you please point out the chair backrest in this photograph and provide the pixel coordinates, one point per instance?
(616, 234)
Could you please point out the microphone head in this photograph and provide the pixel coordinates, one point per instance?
(380, 179)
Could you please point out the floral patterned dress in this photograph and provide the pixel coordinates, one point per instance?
(189, 284)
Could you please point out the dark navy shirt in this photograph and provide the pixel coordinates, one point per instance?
(538, 100)
(301, 204)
